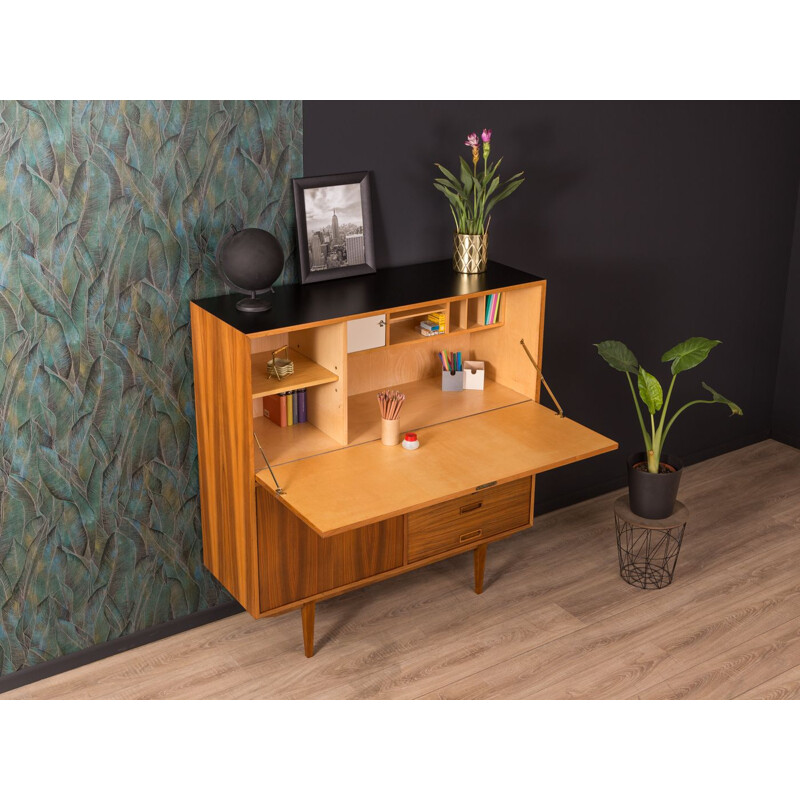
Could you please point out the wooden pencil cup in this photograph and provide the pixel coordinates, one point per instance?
(390, 431)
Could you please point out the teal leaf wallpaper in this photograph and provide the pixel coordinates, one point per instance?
(110, 213)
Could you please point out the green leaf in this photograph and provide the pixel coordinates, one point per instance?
(650, 391)
(492, 188)
(718, 398)
(449, 175)
(466, 177)
(618, 356)
(454, 186)
(689, 354)
(505, 192)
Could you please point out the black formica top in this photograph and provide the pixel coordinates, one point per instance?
(298, 304)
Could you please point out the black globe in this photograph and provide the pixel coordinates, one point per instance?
(250, 261)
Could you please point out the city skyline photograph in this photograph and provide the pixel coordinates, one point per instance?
(335, 226)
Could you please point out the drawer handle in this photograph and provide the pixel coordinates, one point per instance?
(471, 507)
(465, 537)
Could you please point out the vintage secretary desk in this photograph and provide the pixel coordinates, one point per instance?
(352, 511)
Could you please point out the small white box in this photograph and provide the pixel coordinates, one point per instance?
(473, 375)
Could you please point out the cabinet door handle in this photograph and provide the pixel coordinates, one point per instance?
(382, 323)
(471, 507)
(465, 537)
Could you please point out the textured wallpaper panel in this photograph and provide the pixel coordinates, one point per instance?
(110, 213)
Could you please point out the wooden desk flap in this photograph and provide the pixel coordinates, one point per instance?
(366, 483)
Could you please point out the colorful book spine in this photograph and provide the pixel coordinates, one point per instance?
(275, 409)
(286, 408)
(492, 308)
(438, 318)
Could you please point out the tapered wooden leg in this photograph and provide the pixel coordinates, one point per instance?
(480, 563)
(308, 628)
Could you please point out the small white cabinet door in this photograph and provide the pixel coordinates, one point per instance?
(366, 333)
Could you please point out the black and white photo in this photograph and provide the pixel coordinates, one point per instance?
(334, 226)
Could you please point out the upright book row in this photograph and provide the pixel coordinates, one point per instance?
(286, 408)
(492, 308)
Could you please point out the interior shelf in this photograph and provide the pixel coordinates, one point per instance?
(426, 404)
(416, 313)
(306, 373)
(291, 443)
(406, 332)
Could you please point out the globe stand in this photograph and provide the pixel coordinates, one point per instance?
(250, 261)
(254, 304)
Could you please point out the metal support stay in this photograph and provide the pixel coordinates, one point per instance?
(278, 489)
(541, 377)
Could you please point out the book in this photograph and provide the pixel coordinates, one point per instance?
(492, 304)
(438, 318)
(289, 408)
(275, 409)
(295, 408)
(301, 406)
(496, 314)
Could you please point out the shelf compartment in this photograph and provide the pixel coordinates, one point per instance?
(306, 373)
(476, 312)
(291, 443)
(406, 331)
(426, 404)
(403, 324)
(415, 313)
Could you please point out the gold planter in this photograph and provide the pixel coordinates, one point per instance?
(470, 252)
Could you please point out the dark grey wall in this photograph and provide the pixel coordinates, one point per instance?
(652, 222)
(786, 412)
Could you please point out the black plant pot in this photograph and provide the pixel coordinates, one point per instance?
(653, 496)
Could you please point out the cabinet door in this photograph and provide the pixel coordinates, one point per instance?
(366, 333)
(294, 562)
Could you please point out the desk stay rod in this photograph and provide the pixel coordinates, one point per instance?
(278, 489)
(541, 377)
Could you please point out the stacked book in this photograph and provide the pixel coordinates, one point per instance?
(286, 408)
(433, 325)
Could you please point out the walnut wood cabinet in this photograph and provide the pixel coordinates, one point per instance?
(353, 511)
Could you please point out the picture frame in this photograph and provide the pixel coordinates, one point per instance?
(334, 226)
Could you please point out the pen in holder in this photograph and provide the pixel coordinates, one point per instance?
(390, 402)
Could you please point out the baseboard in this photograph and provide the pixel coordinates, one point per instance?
(96, 652)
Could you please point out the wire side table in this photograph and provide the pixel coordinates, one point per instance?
(648, 548)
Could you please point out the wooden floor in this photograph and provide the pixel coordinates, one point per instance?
(555, 619)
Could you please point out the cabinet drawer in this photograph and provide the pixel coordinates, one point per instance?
(470, 518)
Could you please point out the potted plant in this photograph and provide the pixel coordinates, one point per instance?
(472, 197)
(653, 477)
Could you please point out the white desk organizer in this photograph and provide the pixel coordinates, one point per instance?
(473, 375)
